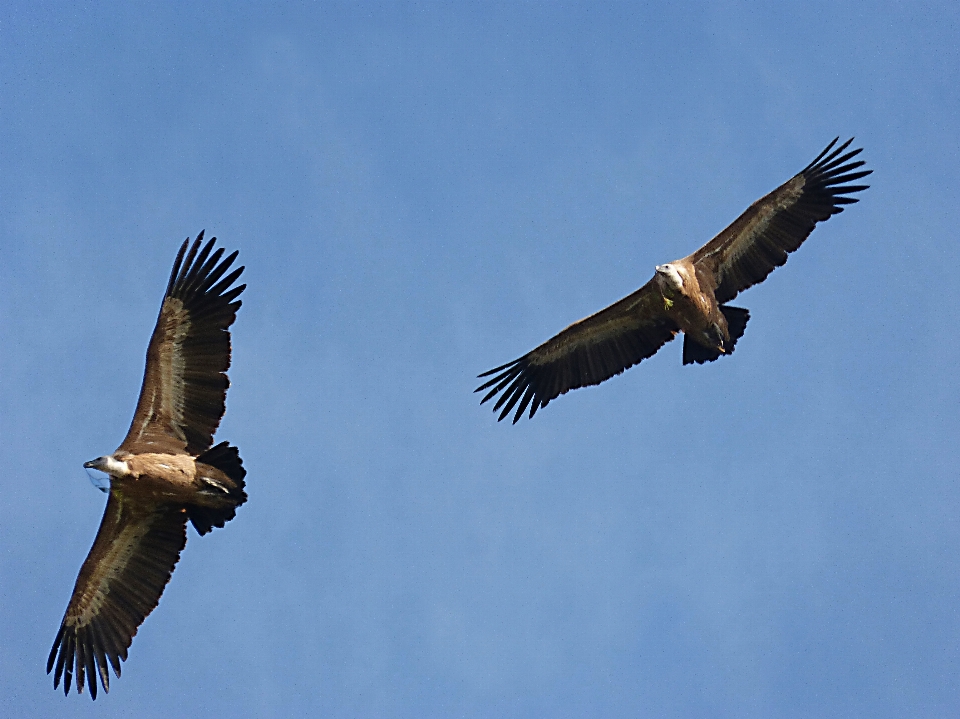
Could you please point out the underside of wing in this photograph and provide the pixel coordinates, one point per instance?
(777, 224)
(185, 383)
(119, 584)
(586, 353)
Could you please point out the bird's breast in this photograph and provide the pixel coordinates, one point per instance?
(161, 476)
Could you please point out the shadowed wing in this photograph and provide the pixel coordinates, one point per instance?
(760, 239)
(185, 383)
(119, 584)
(586, 353)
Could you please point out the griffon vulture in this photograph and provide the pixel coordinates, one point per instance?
(163, 474)
(687, 295)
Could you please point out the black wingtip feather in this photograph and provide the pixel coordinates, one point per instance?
(195, 272)
(494, 371)
(53, 651)
(188, 261)
(527, 396)
(176, 266)
(822, 154)
(501, 381)
(508, 394)
(829, 156)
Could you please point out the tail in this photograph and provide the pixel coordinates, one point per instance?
(227, 460)
(736, 318)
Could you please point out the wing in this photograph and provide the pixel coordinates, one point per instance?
(119, 584)
(185, 383)
(586, 353)
(777, 224)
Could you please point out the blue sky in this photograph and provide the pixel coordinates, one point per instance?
(421, 192)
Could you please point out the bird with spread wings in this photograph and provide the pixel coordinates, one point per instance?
(165, 473)
(688, 295)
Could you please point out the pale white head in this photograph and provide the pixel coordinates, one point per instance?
(113, 467)
(670, 275)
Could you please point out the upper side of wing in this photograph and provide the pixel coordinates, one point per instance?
(585, 353)
(761, 238)
(185, 382)
(119, 584)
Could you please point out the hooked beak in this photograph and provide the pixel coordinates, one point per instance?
(94, 464)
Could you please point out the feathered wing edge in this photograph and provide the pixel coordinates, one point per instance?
(120, 583)
(586, 353)
(183, 396)
(777, 224)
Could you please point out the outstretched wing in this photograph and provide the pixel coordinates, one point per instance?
(777, 224)
(586, 353)
(119, 584)
(185, 382)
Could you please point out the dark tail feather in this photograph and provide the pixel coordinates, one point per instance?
(736, 318)
(693, 351)
(227, 460)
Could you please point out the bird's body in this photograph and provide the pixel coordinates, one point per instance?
(164, 474)
(688, 295)
(168, 478)
(688, 300)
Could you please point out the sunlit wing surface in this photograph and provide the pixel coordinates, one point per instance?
(185, 383)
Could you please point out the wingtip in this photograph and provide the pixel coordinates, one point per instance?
(498, 369)
(831, 152)
(53, 652)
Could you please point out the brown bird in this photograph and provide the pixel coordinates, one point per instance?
(687, 295)
(164, 473)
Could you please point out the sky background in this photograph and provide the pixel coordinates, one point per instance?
(423, 191)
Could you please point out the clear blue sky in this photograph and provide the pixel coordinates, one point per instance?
(421, 192)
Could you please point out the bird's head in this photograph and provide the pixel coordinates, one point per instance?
(109, 465)
(670, 277)
(98, 463)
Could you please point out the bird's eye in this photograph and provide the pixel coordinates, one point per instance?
(100, 480)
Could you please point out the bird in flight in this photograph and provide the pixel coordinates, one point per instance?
(165, 472)
(688, 295)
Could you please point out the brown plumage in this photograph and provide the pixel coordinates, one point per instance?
(163, 474)
(687, 295)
